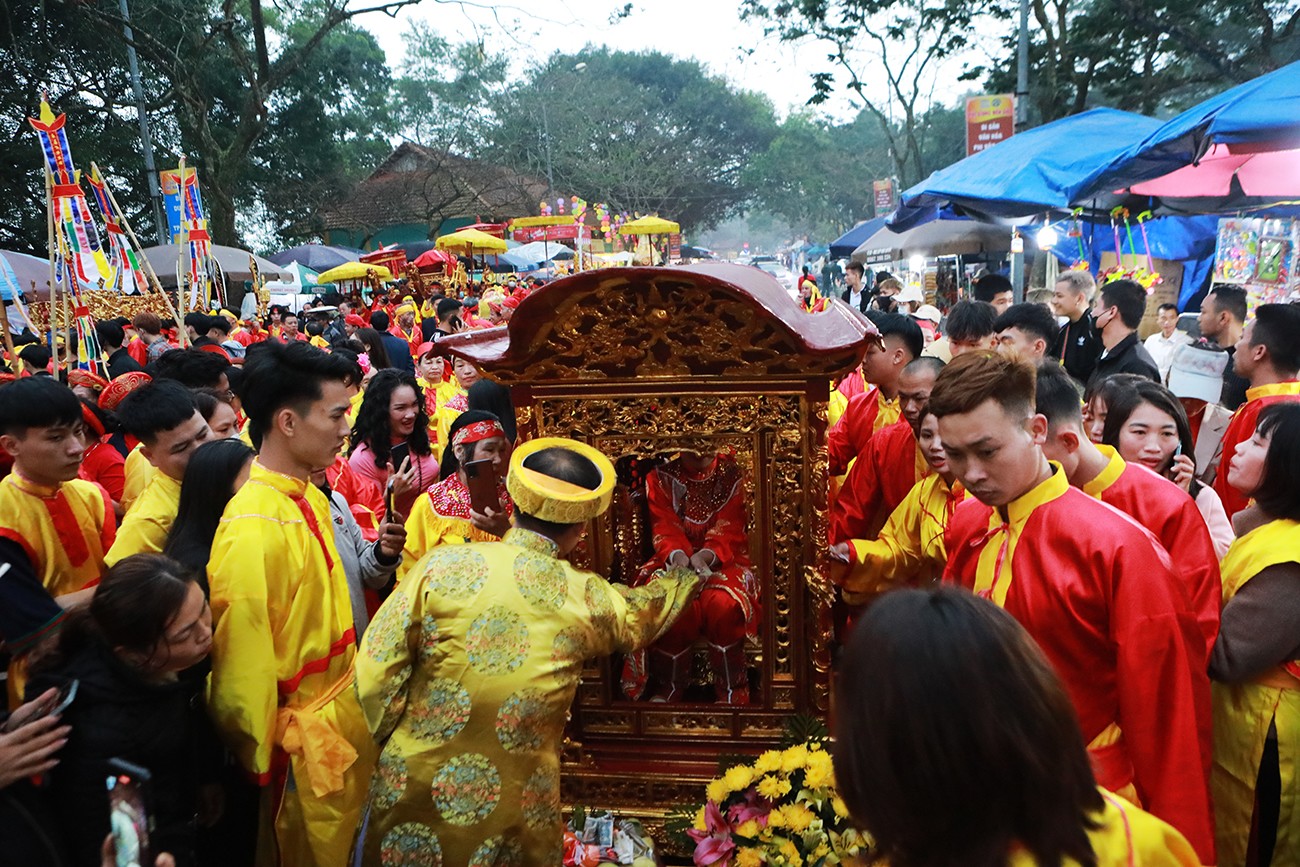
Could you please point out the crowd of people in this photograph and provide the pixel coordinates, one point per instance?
(309, 580)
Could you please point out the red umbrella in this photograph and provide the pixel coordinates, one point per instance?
(435, 259)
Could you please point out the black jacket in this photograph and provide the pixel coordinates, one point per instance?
(1077, 346)
(121, 362)
(863, 304)
(161, 726)
(399, 352)
(1127, 356)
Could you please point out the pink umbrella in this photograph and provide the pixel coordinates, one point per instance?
(1261, 169)
(435, 259)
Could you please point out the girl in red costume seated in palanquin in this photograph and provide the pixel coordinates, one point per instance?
(697, 516)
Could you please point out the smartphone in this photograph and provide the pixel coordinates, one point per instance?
(388, 502)
(128, 811)
(398, 455)
(482, 483)
(60, 703)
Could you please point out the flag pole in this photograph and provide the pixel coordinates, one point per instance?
(120, 216)
(182, 248)
(54, 301)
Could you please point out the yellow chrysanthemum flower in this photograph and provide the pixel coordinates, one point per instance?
(748, 828)
(768, 762)
(820, 772)
(773, 788)
(738, 778)
(791, 853)
(841, 810)
(794, 759)
(796, 817)
(748, 857)
(700, 823)
(775, 819)
(717, 791)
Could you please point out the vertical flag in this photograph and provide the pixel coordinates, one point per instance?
(131, 279)
(82, 248)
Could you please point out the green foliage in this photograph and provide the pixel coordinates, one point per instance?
(804, 729)
(641, 131)
(444, 94)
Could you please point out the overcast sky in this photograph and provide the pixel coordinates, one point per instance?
(708, 30)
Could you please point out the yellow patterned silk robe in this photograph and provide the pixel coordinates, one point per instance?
(466, 675)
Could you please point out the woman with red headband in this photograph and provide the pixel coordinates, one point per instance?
(443, 515)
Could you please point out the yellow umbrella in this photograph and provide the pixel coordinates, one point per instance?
(471, 240)
(650, 226)
(353, 271)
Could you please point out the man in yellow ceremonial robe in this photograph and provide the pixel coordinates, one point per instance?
(63, 523)
(281, 690)
(468, 670)
(166, 420)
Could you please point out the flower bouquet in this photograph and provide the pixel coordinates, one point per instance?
(782, 809)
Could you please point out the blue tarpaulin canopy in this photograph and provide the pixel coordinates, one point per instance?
(843, 246)
(1042, 169)
(1263, 110)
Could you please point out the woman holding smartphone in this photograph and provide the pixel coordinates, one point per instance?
(1146, 424)
(390, 440)
(137, 654)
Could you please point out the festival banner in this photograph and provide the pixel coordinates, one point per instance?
(73, 223)
(196, 270)
(989, 120)
(130, 275)
(882, 193)
(170, 180)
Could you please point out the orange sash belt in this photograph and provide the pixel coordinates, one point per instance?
(325, 753)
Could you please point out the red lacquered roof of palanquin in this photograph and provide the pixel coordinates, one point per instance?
(707, 320)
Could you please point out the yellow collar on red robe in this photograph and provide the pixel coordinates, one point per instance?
(27, 486)
(1108, 476)
(1019, 509)
(1272, 389)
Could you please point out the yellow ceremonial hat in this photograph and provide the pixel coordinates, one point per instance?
(552, 499)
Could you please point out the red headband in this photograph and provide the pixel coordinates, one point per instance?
(92, 421)
(479, 430)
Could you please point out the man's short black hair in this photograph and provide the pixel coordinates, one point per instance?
(904, 328)
(971, 321)
(1035, 320)
(857, 267)
(1168, 306)
(1128, 297)
(1277, 327)
(36, 401)
(990, 286)
(446, 306)
(36, 356)
(315, 328)
(379, 321)
(192, 368)
(287, 374)
(1057, 396)
(1232, 298)
(197, 320)
(156, 407)
(110, 333)
(220, 323)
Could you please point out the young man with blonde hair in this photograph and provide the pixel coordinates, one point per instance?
(1077, 344)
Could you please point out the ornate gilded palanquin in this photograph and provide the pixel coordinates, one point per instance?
(644, 362)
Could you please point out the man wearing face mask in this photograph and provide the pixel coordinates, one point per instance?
(1117, 312)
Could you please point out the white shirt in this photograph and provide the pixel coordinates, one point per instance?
(1162, 349)
(855, 298)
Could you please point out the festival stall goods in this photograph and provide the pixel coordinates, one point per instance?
(1259, 255)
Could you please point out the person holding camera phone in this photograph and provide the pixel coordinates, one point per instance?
(470, 503)
(132, 654)
(390, 439)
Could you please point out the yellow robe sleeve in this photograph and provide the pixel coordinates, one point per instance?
(243, 699)
(895, 555)
(145, 528)
(426, 530)
(636, 617)
(138, 472)
(384, 661)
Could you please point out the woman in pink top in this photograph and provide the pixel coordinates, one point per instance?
(391, 438)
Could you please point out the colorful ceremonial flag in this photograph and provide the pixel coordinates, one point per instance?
(72, 219)
(130, 275)
(196, 269)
